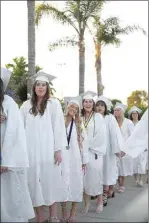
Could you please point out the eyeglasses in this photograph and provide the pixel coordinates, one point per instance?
(39, 84)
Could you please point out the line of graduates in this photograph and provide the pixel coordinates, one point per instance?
(48, 157)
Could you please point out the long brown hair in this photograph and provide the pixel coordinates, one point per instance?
(102, 103)
(78, 122)
(1, 95)
(43, 104)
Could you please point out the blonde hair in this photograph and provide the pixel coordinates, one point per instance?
(78, 123)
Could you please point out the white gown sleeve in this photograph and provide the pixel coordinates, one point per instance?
(23, 112)
(116, 139)
(138, 141)
(130, 126)
(98, 143)
(14, 150)
(58, 125)
(84, 152)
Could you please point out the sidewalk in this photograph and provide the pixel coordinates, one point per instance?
(132, 206)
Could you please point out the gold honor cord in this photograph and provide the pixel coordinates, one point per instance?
(85, 122)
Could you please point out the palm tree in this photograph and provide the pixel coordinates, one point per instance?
(105, 32)
(77, 14)
(31, 43)
(108, 32)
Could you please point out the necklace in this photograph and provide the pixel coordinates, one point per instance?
(86, 121)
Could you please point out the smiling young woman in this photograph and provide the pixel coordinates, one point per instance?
(96, 134)
(46, 138)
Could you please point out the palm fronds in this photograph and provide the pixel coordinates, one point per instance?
(109, 31)
(64, 42)
(45, 9)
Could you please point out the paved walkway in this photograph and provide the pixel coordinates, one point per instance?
(132, 206)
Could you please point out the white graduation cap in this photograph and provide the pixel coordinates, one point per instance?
(72, 100)
(5, 76)
(42, 76)
(134, 109)
(67, 100)
(88, 95)
(120, 106)
(106, 101)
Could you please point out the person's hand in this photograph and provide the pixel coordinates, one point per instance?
(2, 118)
(118, 155)
(3, 169)
(123, 153)
(83, 166)
(58, 157)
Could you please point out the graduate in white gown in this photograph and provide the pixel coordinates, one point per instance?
(96, 133)
(125, 164)
(139, 163)
(138, 141)
(78, 157)
(46, 139)
(16, 205)
(114, 144)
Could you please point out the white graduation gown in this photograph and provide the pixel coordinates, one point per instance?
(16, 205)
(93, 177)
(114, 145)
(77, 157)
(140, 162)
(125, 164)
(45, 135)
(138, 141)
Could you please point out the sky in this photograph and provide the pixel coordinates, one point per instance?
(124, 69)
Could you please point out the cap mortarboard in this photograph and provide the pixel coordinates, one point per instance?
(42, 76)
(121, 106)
(106, 100)
(88, 95)
(134, 109)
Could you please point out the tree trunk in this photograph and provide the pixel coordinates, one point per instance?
(81, 64)
(31, 43)
(100, 86)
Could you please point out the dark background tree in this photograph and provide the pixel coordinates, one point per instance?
(138, 98)
(17, 87)
(113, 101)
